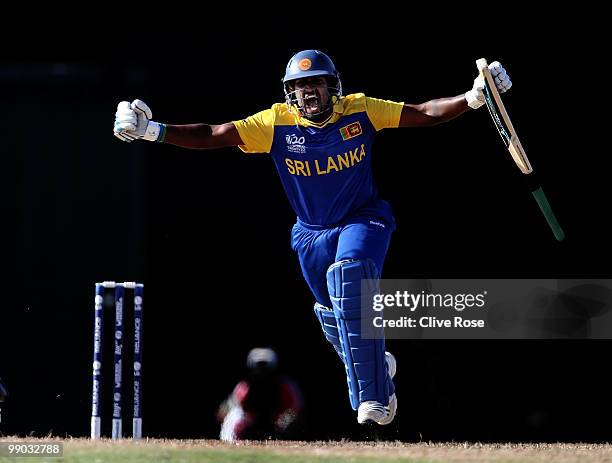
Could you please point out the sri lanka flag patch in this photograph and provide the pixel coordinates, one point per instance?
(350, 131)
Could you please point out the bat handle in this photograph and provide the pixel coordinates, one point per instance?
(481, 64)
(542, 201)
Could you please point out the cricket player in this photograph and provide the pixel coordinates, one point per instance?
(320, 141)
(264, 404)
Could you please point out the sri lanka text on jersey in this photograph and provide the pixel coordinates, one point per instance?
(322, 167)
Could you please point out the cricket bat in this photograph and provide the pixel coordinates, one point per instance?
(504, 126)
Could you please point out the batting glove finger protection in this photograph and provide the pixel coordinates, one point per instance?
(122, 137)
(475, 97)
(500, 76)
(125, 122)
(125, 117)
(133, 121)
(142, 109)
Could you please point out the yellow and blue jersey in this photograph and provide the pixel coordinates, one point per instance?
(325, 169)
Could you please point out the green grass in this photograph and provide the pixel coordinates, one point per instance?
(205, 451)
(216, 456)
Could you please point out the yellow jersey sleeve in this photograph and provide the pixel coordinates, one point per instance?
(383, 114)
(257, 131)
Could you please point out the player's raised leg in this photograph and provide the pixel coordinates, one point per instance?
(329, 325)
(361, 251)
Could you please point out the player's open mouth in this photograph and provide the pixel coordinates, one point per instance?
(311, 103)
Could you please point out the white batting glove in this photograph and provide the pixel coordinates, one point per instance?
(475, 97)
(133, 121)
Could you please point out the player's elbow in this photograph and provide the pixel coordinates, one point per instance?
(432, 113)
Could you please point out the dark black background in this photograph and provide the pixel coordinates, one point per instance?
(208, 232)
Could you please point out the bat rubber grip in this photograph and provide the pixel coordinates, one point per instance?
(542, 201)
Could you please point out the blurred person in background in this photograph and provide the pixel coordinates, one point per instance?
(264, 405)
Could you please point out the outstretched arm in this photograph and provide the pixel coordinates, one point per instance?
(203, 136)
(133, 121)
(435, 112)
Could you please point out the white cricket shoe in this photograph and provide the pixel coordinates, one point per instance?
(373, 411)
